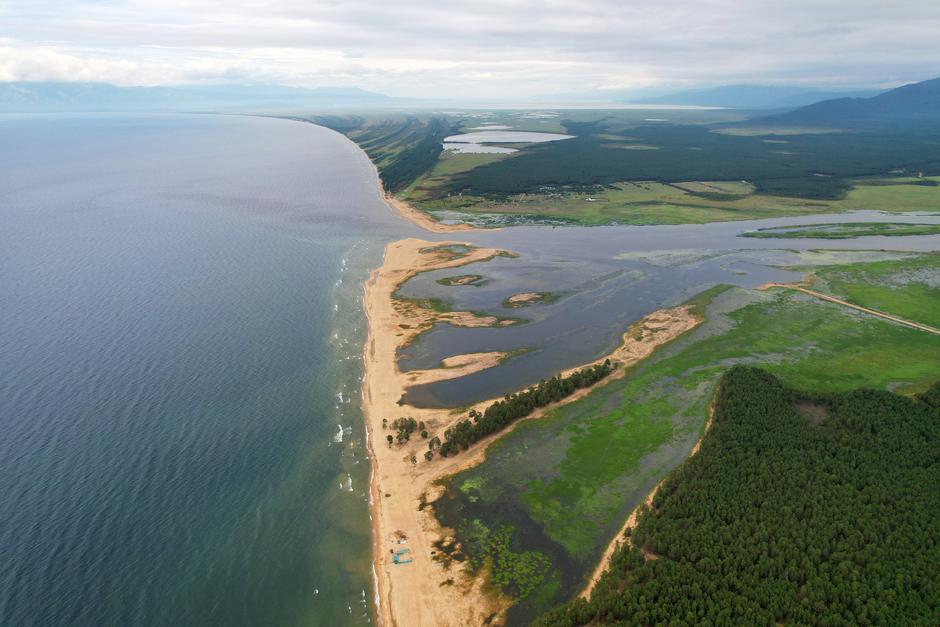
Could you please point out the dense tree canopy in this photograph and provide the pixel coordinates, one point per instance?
(797, 509)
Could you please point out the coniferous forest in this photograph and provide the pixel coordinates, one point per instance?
(798, 509)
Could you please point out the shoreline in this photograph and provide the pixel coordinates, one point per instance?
(423, 592)
(409, 213)
(419, 218)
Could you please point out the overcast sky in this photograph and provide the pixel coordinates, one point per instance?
(486, 49)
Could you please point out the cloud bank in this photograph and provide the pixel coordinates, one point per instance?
(460, 49)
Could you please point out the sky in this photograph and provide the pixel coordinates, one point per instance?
(480, 49)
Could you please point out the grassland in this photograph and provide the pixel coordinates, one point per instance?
(844, 230)
(687, 202)
(566, 483)
(907, 288)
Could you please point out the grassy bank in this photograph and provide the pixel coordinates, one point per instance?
(846, 230)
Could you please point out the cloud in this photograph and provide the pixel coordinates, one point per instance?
(458, 48)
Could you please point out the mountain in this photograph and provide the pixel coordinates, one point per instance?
(914, 102)
(748, 96)
(88, 97)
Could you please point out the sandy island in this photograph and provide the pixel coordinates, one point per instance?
(422, 591)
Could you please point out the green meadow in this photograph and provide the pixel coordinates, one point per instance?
(906, 288)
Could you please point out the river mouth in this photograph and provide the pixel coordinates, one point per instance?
(605, 279)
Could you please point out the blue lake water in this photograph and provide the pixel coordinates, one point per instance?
(607, 278)
(180, 315)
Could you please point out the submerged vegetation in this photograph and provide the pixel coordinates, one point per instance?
(787, 520)
(844, 230)
(502, 413)
(517, 573)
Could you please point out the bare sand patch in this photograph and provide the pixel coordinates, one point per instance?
(525, 297)
(457, 366)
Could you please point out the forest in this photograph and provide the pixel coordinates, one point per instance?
(799, 509)
(501, 413)
(811, 166)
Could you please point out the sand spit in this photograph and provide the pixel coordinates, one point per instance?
(422, 591)
(422, 219)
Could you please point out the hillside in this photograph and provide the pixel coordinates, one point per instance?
(914, 102)
(749, 96)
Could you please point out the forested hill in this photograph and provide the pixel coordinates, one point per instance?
(798, 509)
(910, 103)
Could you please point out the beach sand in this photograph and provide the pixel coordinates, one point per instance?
(422, 219)
(423, 592)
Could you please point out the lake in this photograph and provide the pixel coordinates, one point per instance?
(179, 371)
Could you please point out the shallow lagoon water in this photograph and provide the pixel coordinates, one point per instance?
(608, 277)
(506, 137)
(478, 142)
(470, 148)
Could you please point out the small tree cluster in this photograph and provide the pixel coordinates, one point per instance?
(514, 406)
(405, 427)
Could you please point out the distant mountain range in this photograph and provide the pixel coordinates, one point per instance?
(914, 102)
(749, 96)
(91, 97)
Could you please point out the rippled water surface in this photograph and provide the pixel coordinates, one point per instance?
(179, 371)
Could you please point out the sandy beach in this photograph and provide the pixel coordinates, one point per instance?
(422, 219)
(422, 591)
